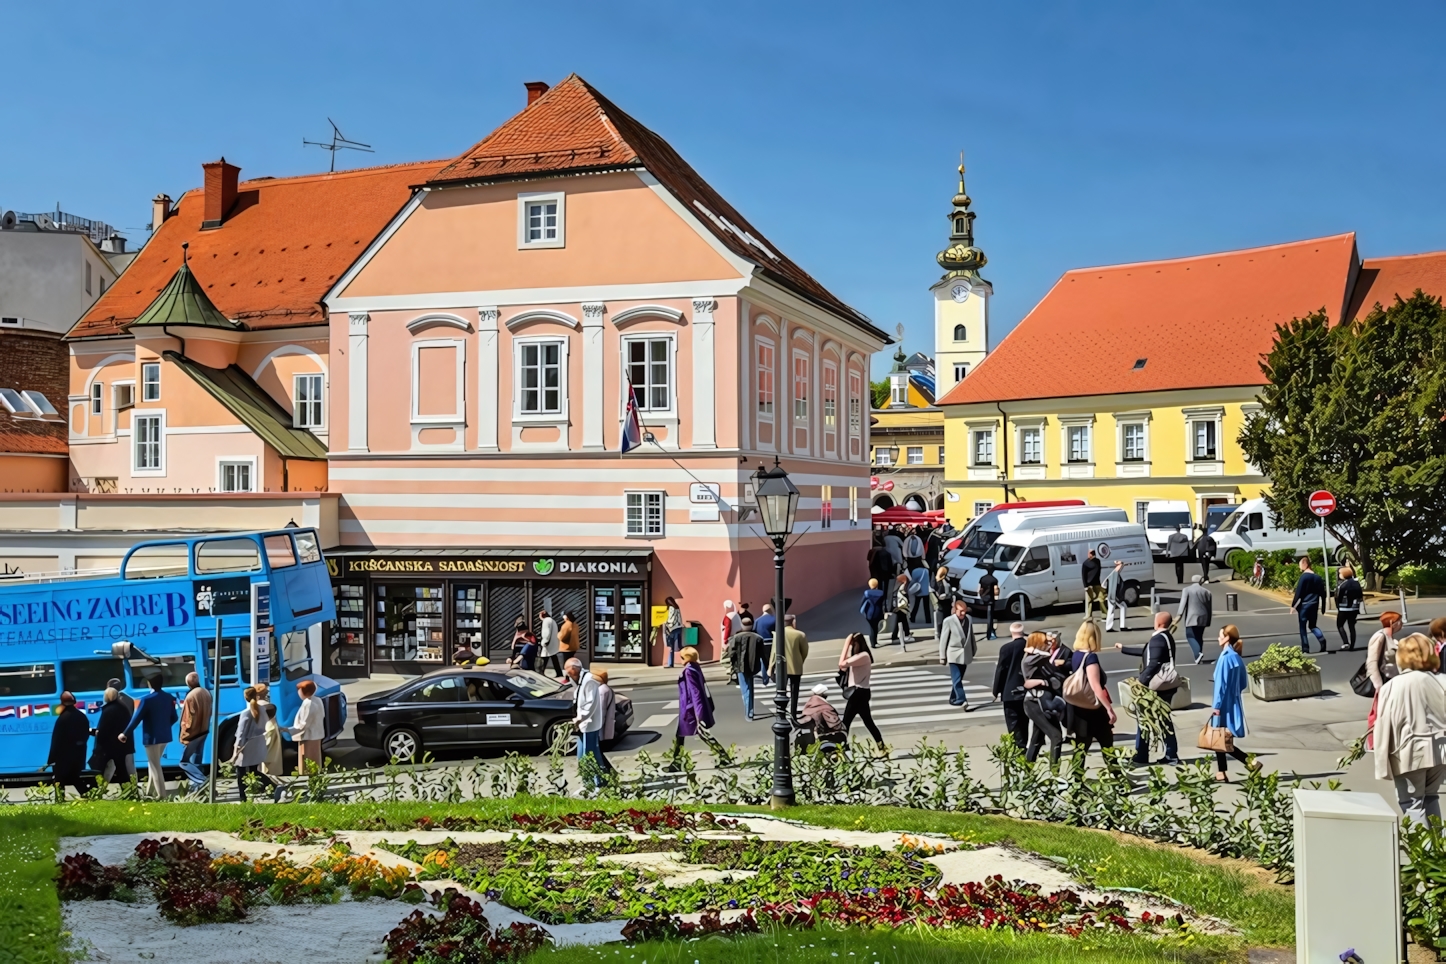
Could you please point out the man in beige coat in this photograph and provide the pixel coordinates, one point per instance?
(795, 652)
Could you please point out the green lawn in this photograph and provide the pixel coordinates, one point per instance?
(1264, 912)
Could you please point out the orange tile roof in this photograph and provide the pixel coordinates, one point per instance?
(283, 245)
(1201, 322)
(574, 128)
(1383, 279)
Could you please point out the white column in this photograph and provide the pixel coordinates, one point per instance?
(593, 411)
(747, 379)
(488, 384)
(704, 436)
(356, 434)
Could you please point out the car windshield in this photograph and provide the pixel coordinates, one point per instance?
(530, 684)
(1168, 520)
(1001, 556)
(1229, 524)
(979, 540)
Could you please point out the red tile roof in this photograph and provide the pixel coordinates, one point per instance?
(1383, 279)
(284, 243)
(1201, 322)
(573, 128)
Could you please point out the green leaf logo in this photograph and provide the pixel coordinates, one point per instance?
(542, 567)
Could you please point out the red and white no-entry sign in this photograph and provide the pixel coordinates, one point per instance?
(1322, 503)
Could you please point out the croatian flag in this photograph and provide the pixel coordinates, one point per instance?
(632, 429)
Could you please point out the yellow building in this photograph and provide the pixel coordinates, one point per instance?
(907, 437)
(1131, 383)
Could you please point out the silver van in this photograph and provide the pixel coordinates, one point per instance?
(1041, 567)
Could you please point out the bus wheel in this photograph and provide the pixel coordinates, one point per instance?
(1132, 594)
(403, 745)
(1019, 607)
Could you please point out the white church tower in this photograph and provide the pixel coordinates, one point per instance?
(961, 300)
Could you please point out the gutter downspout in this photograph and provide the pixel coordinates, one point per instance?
(1004, 447)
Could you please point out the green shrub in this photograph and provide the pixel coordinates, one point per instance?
(1278, 660)
(1282, 567)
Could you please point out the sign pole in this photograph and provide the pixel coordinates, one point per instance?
(215, 710)
(1322, 503)
(1325, 554)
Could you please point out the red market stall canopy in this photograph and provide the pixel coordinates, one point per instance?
(898, 515)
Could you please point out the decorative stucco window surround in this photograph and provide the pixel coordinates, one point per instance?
(1029, 446)
(1077, 448)
(1204, 440)
(976, 429)
(1132, 444)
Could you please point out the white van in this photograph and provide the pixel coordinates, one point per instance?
(1162, 516)
(1253, 528)
(992, 525)
(1041, 567)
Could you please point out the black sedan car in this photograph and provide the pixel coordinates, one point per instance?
(472, 708)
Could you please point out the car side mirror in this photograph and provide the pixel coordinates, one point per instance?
(516, 699)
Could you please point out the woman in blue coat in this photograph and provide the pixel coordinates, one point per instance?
(1229, 706)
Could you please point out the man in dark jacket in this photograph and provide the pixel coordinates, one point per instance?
(67, 745)
(157, 711)
(934, 548)
(1153, 655)
(1009, 685)
(1310, 590)
(988, 597)
(1089, 571)
(1177, 550)
(112, 758)
(1205, 552)
(747, 648)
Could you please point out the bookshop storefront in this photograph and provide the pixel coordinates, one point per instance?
(411, 610)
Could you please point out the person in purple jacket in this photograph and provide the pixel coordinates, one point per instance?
(695, 706)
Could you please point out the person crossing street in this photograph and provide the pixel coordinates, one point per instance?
(956, 650)
(1196, 611)
(1115, 597)
(1310, 593)
(1178, 551)
(1009, 686)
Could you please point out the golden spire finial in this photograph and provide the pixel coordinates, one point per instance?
(961, 172)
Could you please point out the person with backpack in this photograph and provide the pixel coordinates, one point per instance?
(1156, 656)
(871, 607)
(913, 550)
(1348, 606)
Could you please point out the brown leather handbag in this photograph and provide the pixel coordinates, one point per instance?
(1216, 738)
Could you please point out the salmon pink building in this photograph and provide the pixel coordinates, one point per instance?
(449, 350)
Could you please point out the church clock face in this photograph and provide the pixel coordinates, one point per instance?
(960, 293)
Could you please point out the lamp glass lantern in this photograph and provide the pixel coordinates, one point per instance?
(777, 499)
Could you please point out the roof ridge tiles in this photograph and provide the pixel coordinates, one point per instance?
(1209, 255)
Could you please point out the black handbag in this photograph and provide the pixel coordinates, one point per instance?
(1361, 683)
(843, 683)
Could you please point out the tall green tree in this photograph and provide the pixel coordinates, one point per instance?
(1358, 409)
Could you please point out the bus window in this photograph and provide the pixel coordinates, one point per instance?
(296, 654)
(90, 675)
(173, 670)
(307, 547)
(29, 679)
(278, 552)
(228, 658)
(227, 555)
(156, 562)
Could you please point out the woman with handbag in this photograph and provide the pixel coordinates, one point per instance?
(1410, 730)
(1381, 651)
(1227, 719)
(1158, 674)
(857, 662)
(1090, 714)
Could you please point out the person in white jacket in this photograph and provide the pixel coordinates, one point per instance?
(549, 645)
(309, 726)
(588, 716)
(1410, 733)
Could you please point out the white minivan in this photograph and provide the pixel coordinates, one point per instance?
(1041, 567)
(1253, 528)
(1162, 517)
(993, 524)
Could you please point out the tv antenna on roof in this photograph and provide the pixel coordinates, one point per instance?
(339, 142)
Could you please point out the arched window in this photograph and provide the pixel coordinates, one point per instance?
(961, 333)
(958, 225)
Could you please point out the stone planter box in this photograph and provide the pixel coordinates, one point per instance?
(1181, 700)
(1285, 686)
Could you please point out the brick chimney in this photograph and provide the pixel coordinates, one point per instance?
(220, 192)
(535, 89)
(160, 210)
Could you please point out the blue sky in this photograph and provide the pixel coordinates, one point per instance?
(1095, 133)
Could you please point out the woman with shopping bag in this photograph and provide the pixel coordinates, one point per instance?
(1227, 719)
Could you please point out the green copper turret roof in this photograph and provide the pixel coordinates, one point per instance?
(183, 302)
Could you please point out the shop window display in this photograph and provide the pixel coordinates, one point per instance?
(409, 623)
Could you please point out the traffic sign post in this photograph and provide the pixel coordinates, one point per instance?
(1322, 503)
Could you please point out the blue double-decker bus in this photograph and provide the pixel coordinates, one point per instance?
(264, 594)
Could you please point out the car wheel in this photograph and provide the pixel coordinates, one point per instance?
(1132, 594)
(402, 745)
(549, 737)
(1019, 607)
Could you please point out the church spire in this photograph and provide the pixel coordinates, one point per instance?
(961, 259)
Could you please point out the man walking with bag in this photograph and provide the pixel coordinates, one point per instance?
(1157, 671)
(1196, 611)
(956, 649)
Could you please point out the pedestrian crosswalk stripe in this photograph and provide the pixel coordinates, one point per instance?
(660, 719)
(957, 715)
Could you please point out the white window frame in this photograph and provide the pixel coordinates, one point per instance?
(1144, 427)
(882, 456)
(159, 415)
(672, 361)
(1142, 508)
(914, 455)
(1037, 431)
(761, 345)
(1082, 432)
(799, 399)
(319, 402)
(941, 455)
(646, 528)
(899, 391)
(977, 435)
(982, 507)
(856, 412)
(458, 414)
(830, 407)
(1192, 426)
(223, 461)
(97, 398)
(147, 383)
(546, 418)
(541, 197)
(961, 371)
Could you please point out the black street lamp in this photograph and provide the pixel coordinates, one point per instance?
(777, 499)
